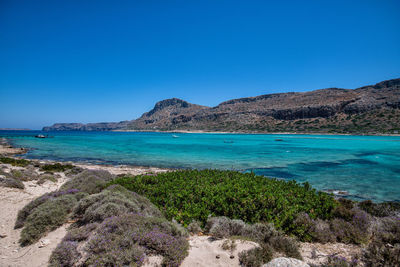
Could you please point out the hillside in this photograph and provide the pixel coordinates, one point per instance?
(369, 109)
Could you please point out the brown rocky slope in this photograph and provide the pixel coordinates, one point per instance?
(366, 110)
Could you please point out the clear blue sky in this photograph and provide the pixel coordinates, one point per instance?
(92, 61)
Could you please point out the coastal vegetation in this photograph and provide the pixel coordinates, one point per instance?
(121, 220)
(248, 201)
(12, 183)
(56, 167)
(270, 240)
(48, 216)
(89, 181)
(195, 195)
(15, 162)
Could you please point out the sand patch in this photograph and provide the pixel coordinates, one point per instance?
(11, 201)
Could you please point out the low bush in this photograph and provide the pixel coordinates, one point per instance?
(256, 257)
(31, 206)
(15, 162)
(78, 234)
(194, 195)
(89, 181)
(349, 226)
(126, 241)
(65, 254)
(379, 254)
(223, 227)
(46, 177)
(12, 183)
(113, 201)
(56, 167)
(266, 235)
(285, 245)
(383, 209)
(195, 227)
(27, 174)
(384, 249)
(47, 217)
(337, 261)
(229, 244)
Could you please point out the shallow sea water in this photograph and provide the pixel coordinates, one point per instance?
(367, 167)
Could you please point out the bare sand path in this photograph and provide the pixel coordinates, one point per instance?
(11, 201)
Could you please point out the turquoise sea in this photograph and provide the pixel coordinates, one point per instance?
(367, 167)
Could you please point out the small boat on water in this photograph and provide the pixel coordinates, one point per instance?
(175, 136)
(279, 140)
(43, 136)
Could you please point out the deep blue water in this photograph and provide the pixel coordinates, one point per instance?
(368, 167)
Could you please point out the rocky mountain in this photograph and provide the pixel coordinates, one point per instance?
(369, 109)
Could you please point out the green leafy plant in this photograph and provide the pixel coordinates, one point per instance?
(15, 162)
(56, 167)
(47, 217)
(195, 194)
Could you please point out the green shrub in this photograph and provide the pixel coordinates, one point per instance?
(124, 241)
(56, 167)
(346, 232)
(89, 181)
(379, 254)
(223, 227)
(31, 206)
(380, 209)
(12, 183)
(256, 257)
(46, 177)
(15, 162)
(46, 217)
(113, 201)
(348, 226)
(337, 261)
(384, 249)
(285, 245)
(27, 174)
(76, 233)
(264, 234)
(65, 254)
(194, 227)
(194, 195)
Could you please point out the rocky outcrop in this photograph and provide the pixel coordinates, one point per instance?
(325, 110)
(286, 262)
(369, 109)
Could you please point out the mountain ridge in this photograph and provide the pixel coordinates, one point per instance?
(368, 109)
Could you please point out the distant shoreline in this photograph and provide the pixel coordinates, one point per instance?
(212, 132)
(256, 133)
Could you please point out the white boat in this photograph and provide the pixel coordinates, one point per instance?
(175, 136)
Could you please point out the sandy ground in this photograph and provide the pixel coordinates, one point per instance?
(204, 251)
(11, 201)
